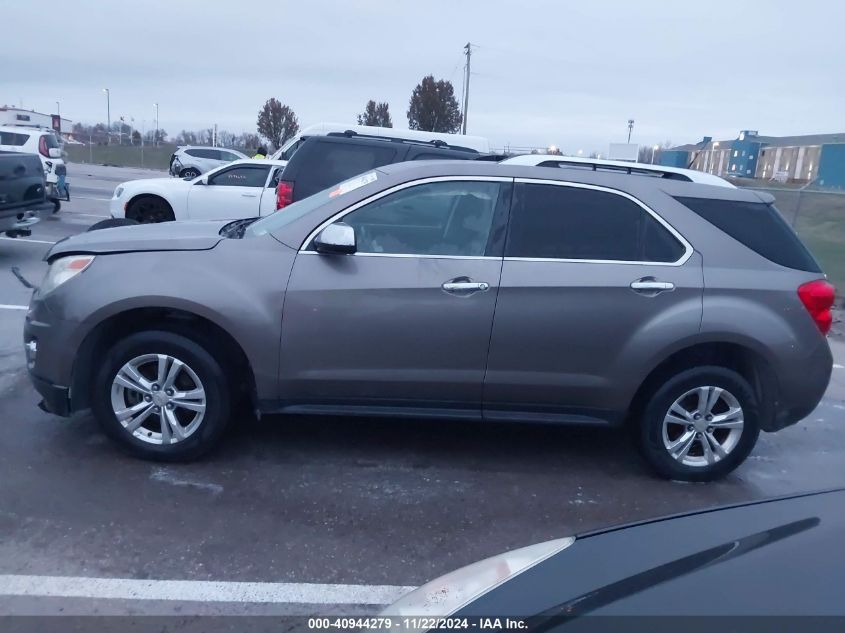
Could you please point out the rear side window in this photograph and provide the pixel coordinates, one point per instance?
(758, 226)
(12, 138)
(561, 222)
(203, 153)
(328, 163)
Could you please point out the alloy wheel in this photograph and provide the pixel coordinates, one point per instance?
(158, 399)
(703, 426)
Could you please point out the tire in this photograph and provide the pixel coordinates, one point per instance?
(149, 210)
(692, 433)
(111, 223)
(201, 430)
(189, 172)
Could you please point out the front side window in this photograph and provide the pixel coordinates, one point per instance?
(561, 222)
(439, 218)
(247, 176)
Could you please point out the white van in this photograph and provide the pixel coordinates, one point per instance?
(35, 140)
(477, 143)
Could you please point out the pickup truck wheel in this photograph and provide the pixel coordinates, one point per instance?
(162, 396)
(149, 210)
(700, 424)
(190, 172)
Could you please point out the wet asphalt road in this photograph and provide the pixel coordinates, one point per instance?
(325, 500)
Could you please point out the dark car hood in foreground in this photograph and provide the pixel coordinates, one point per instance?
(166, 236)
(780, 557)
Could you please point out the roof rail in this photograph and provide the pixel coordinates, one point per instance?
(396, 139)
(633, 169)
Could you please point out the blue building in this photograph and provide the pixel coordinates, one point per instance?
(816, 158)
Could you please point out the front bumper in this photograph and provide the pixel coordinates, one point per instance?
(56, 399)
(116, 207)
(50, 348)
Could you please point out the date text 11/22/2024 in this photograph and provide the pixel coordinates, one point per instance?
(417, 623)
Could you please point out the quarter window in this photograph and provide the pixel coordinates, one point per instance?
(12, 138)
(247, 176)
(440, 218)
(562, 222)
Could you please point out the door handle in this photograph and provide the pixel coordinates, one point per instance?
(649, 285)
(249, 195)
(465, 286)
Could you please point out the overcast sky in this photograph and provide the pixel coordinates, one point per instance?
(564, 73)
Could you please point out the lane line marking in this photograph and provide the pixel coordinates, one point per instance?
(8, 306)
(90, 198)
(836, 366)
(25, 239)
(198, 590)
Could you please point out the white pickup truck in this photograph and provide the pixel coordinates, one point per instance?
(240, 189)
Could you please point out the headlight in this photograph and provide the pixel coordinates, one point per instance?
(447, 594)
(62, 270)
(118, 192)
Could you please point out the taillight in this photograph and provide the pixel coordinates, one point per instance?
(817, 296)
(284, 194)
(42, 147)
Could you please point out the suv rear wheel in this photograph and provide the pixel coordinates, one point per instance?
(162, 396)
(699, 425)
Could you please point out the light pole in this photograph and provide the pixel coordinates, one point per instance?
(653, 150)
(58, 109)
(630, 128)
(155, 105)
(108, 116)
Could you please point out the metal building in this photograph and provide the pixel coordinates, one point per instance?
(816, 158)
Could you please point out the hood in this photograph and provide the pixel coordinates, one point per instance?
(166, 236)
(151, 182)
(777, 557)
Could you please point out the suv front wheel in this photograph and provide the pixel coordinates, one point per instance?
(700, 424)
(162, 396)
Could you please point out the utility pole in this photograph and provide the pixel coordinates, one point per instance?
(630, 128)
(155, 105)
(108, 116)
(468, 53)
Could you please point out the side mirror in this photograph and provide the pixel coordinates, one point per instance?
(338, 238)
(203, 180)
(55, 152)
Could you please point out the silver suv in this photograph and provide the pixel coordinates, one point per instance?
(688, 313)
(190, 162)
